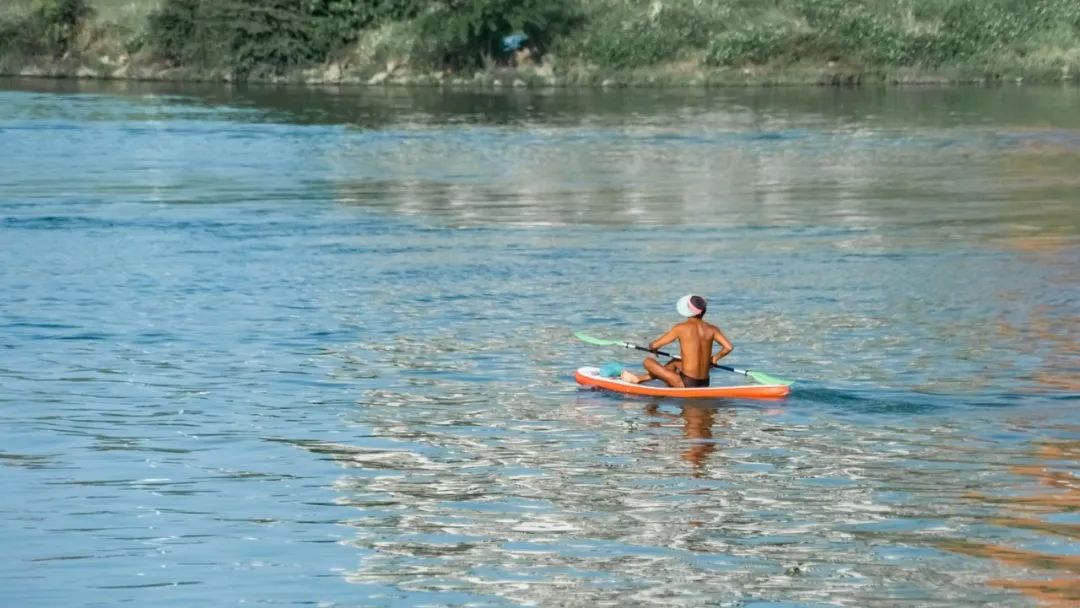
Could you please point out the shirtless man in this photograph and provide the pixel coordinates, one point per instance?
(695, 338)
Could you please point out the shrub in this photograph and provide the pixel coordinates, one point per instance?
(273, 35)
(632, 34)
(48, 29)
(339, 21)
(55, 22)
(245, 35)
(754, 44)
(463, 33)
(178, 32)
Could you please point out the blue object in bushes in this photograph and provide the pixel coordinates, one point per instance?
(513, 42)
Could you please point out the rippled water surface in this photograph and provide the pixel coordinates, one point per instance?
(314, 347)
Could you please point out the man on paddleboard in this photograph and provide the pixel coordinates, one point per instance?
(695, 338)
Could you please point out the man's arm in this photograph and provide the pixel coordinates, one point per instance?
(664, 340)
(725, 345)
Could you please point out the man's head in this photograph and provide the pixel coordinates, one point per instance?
(691, 306)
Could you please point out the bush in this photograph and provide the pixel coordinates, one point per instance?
(467, 33)
(49, 29)
(755, 44)
(626, 35)
(55, 23)
(246, 35)
(178, 32)
(266, 33)
(339, 21)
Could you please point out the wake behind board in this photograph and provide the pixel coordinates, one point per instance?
(590, 376)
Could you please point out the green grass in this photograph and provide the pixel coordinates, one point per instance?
(123, 12)
(128, 13)
(879, 33)
(12, 10)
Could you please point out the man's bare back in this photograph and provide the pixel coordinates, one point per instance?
(695, 338)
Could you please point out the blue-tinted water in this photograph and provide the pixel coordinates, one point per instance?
(288, 347)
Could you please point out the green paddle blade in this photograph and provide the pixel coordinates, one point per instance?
(586, 338)
(764, 378)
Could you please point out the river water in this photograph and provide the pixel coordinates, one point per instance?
(303, 347)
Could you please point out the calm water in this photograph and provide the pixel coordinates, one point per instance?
(314, 348)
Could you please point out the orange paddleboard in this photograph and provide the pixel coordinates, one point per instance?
(590, 376)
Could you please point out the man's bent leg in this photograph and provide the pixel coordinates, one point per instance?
(668, 373)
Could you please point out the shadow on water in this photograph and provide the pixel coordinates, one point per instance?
(871, 401)
(814, 395)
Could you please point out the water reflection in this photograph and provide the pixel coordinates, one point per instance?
(698, 422)
(1050, 332)
(1038, 113)
(1051, 512)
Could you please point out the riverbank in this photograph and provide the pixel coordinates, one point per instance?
(593, 43)
(335, 74)
(107, 67)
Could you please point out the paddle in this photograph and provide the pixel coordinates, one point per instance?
(759, 377)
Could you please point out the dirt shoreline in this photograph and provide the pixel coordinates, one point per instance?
(105, 68)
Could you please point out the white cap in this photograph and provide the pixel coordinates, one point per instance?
(685, 306)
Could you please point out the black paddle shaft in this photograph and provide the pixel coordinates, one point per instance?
(663, 354)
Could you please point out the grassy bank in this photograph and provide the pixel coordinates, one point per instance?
(569, 41)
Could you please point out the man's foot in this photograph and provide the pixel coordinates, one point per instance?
(628, 377)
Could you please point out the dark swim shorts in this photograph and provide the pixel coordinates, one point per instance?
(689, 382)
